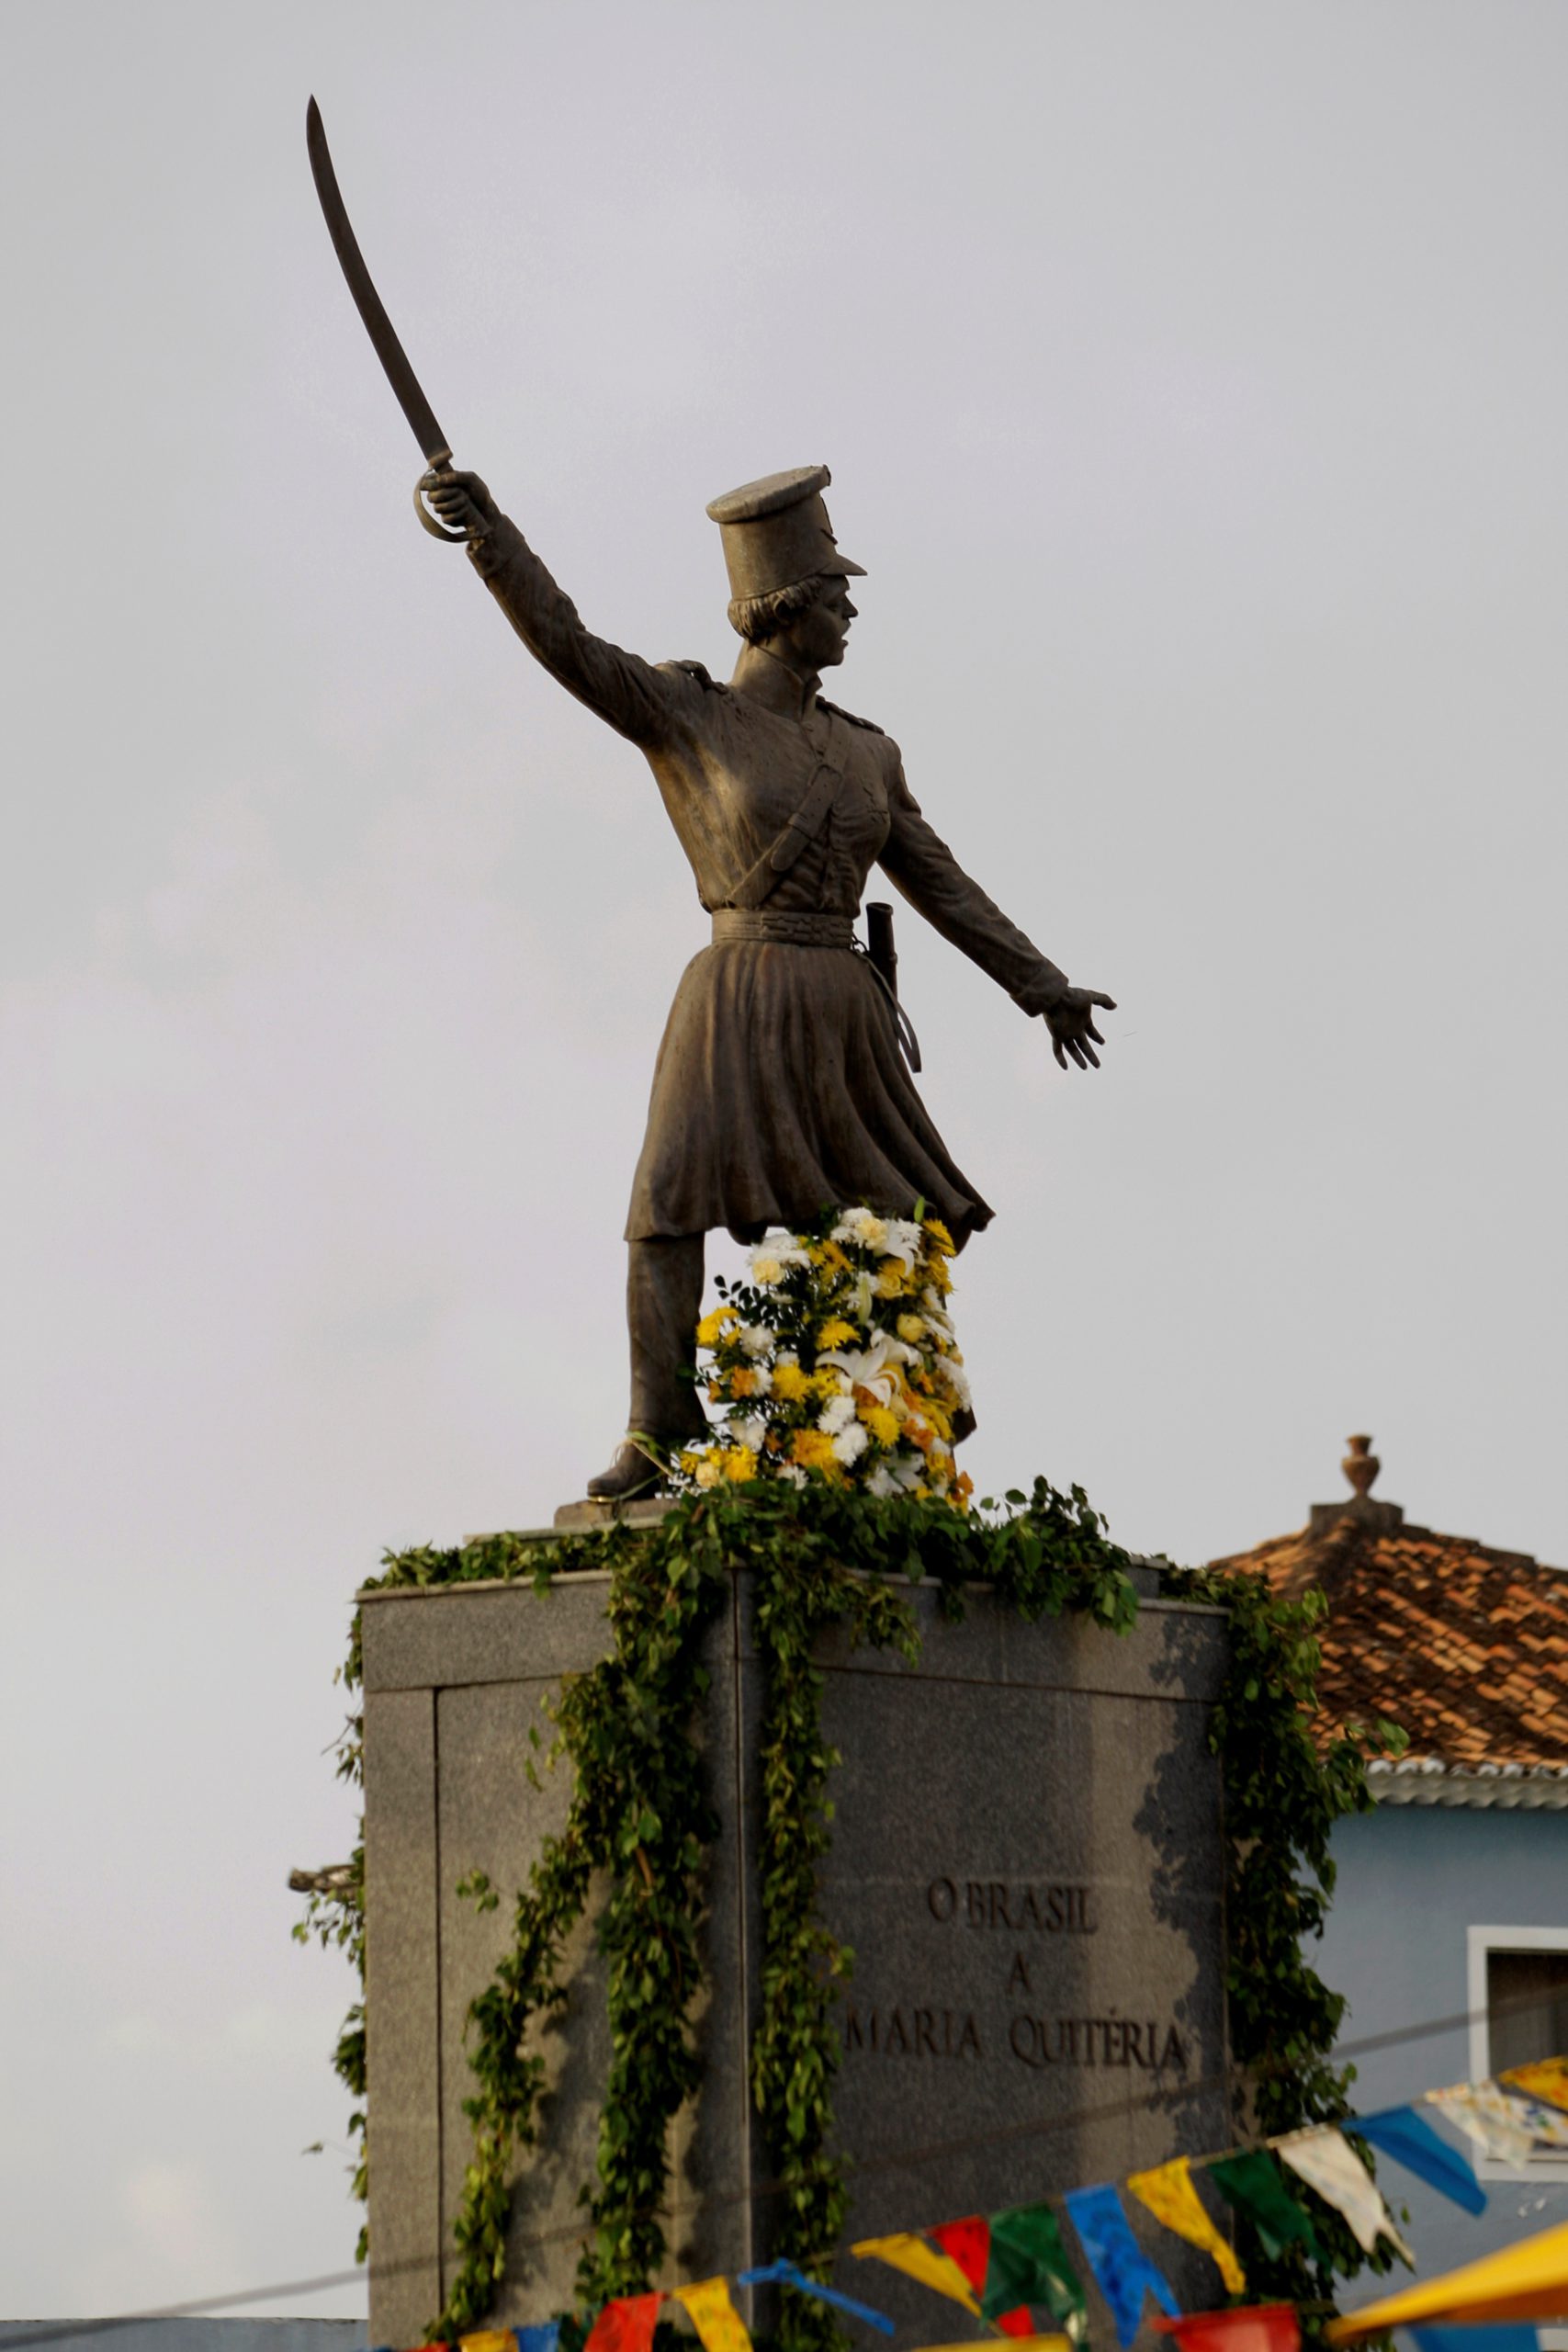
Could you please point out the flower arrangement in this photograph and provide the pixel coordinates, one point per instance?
(837, 1360)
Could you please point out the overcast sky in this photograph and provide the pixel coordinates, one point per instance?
(1193, 378)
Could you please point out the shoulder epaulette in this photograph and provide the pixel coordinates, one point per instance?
(695, 670)
(869, 724)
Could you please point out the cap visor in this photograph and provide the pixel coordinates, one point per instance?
(841, 564)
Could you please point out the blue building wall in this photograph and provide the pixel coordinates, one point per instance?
(1413, 1880)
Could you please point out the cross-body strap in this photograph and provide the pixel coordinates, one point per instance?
(759, 882)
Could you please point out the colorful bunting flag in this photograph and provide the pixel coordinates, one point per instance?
(969, 2245)
(1024, 2343)
(1253, 2186)
(1028, 2269)
(1262, 2327)
(627, 2324)
(1507, 2337)
(719, 2324)
(1123, 2271)
(543, 2336)
(1490, 2118)
(1327, 2162)
(490, 2339)
(786, 2274)
(1172, 2197)
(1544, 2078)
(1409, 2139)
(934, 2268)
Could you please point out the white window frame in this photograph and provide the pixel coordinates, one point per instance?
(1483, 1942)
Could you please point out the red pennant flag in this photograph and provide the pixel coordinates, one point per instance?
(967, 2242)
(627, 2324)
(1265, 2327)
(1017, 2322)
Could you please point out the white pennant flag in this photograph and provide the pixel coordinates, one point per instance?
(1327, 2162)
(1495, 2122)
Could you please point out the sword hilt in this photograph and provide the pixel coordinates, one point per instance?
(437, 529)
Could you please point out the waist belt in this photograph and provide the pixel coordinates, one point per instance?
(781, 930)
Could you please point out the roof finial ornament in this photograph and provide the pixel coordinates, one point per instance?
(1361, 1466)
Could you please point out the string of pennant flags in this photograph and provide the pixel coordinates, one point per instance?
(1014, 2272)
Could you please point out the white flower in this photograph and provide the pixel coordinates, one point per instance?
(882, 1481)
(754, 1340)
(770, 1261)
(707, 1473)
(867, 1368)
(903, 1241)
(836, 1413)
(850, 1444)
(864, 1228)
(750, 1431)
(792, 1472)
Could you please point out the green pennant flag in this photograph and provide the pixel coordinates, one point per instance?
(1029, 2265)
(1255, 2187)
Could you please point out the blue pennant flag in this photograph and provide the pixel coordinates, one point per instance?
(544, 2336)
(1123, 2271)
(1514, 2336)
(785, 2274)
(1410, 2140)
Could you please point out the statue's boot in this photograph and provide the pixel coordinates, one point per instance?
(665, 1297)
(631, 1473)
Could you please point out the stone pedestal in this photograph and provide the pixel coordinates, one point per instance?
(1027, 1862)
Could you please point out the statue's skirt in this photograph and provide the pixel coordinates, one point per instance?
(780, 1090)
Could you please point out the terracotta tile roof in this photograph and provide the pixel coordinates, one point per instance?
(1464, 1646)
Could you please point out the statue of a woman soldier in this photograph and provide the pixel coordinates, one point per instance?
(780, 1089)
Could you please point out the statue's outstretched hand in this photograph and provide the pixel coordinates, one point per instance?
(461, 500)
(1071, 1023)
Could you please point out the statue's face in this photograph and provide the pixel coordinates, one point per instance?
(818, 633)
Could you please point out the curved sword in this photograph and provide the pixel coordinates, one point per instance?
(377, 325)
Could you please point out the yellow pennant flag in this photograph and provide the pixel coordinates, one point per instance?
(714, 2316)
(906, 2252)
(490, 2339)
(1011, 2343)
(1169, 2194)
(1546, 2078)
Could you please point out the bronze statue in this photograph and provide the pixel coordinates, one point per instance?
(780, 1087)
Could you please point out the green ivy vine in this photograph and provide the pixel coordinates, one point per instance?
(820, 1558)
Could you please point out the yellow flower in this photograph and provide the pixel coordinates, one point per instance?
(813, 1450)
(832, 1255)
(836, 1334)
(829, 1381)
(939, 1237)
(710, 1330)
(910, 1328)
(790, 1384)
(740, 1463)
(894, 1278)
(742, 1381)
(766, 1270)
(882, 1425)
(708, 1472)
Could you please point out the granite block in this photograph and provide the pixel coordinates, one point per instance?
(1027, 1863)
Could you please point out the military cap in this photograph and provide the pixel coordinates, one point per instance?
(776, 533)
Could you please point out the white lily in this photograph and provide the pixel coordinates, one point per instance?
(868, 1367)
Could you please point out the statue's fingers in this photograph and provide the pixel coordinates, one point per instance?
(1056, 1049)
(1106, 1004)
(1090, 1030)
(1088, 1049)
